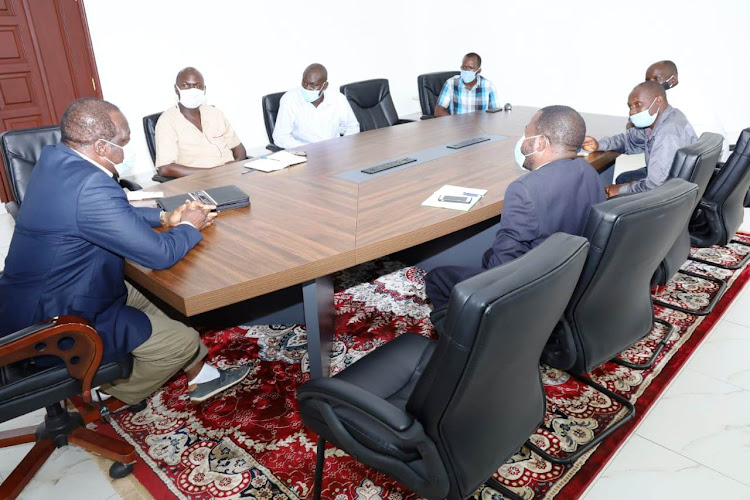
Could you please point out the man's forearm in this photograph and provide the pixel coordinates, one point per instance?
(177, 170)
(441, 111)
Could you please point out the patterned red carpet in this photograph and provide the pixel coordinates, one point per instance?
(251, 442)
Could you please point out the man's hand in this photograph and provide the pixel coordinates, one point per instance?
(175, 216)
(612, 190)
(201, 218)
(590, 144)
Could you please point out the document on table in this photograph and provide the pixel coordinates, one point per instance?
(143, 195)
(471, 194)
(276, 161)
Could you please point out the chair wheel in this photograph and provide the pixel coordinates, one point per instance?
(138, 407)
(120, 470)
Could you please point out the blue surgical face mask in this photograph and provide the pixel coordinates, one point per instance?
(468, 76)
(128, 159)
(311, 95)
(644, 119)
(520, 157)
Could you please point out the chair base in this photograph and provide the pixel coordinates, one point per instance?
(710, 307)
(731, 268)
(572, 457)
(59, 429)
(659, 348)
(319, 464)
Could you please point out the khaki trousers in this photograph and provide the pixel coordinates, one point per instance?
(171, 347)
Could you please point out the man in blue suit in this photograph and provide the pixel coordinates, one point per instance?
(67, 256)
(555, 196)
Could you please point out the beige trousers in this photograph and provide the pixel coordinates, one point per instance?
(171, 347)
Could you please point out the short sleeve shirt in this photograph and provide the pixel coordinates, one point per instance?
(179, 141)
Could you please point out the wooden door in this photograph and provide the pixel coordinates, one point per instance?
(46, 62)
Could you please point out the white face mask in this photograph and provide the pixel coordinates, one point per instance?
(192, 98)
(128, 158)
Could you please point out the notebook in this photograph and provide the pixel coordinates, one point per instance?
(276, 161)
(225, 198)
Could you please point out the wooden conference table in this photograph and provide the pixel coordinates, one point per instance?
(306, 222)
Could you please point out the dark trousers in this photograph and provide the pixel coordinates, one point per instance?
(440, 282)
(633, 175)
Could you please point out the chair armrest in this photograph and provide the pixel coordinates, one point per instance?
(69, 338)
(338, 391)
(274, 148)
(129, 185)
(711, 206)
(13, 207)
(401, 122)
(162, 178)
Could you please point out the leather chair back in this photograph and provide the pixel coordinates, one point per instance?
(372, 104)
(694, 163)
(611, 307)
(21, 150)
(270, 112)
(149, 130)
(481, 393)
(430, 85)
(722, 208)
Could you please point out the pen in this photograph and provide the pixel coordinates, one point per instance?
(474, 195)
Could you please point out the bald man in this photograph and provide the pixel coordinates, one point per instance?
(555, 196)
(67, 257)
(659, 130)
(310, 114)
(193, 136)
(697, 106)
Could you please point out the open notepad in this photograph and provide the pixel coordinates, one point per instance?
(276, 161)
(471, 195)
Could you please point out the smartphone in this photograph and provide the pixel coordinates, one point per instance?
(494, 110)
(455, 199)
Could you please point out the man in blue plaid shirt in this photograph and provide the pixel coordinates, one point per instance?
(467, 92)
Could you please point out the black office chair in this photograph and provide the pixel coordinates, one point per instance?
(20, 152)
(721, 210)
(149, 130)
(372, 104)
(430, 85)
(694, 163)
(418, 409)
(25, 387)
(270, 112)
(611, 307)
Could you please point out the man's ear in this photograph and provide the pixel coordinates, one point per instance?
(479, 71)
(324, 87)
(100, 147)
(675, 81)
(176, 91)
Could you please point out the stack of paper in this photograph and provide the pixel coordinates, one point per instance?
(276, 161)
(470, 194)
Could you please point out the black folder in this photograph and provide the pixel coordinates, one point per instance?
(225, 198)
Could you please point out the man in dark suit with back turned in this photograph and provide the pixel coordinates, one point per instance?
(555, 196)
(67, 256)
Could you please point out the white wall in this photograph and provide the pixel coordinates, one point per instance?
(586, 54)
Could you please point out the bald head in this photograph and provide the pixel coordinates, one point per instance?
(188, 74)
(649, 90)
(664, 73)
(88, 120)
(315, 71)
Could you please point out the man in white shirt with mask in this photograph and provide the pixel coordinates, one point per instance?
(310, 114)
(192, 135)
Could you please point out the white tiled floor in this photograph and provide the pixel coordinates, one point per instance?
(693, 444)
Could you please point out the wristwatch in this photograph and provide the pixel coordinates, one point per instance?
(163, 218)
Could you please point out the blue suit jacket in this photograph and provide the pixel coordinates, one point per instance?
(554, 198)
(73, 234)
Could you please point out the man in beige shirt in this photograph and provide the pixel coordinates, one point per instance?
(193, 136)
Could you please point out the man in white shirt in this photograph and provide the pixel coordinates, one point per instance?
(309, 114)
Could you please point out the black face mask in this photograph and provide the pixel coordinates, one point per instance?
(666, 83)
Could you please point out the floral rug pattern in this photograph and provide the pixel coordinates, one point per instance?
(251, 443)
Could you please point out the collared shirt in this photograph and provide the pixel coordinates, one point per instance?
(300, 122)
(671, 132)
(179, 141)
(457, 98)
(93, 163)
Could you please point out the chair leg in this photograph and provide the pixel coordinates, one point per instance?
(498, 486)
(702, 312)
(17, 436)
(731, 268)
(569, 459)
(648, 364)
(319, 463)
(25, 471)
(106, 446)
